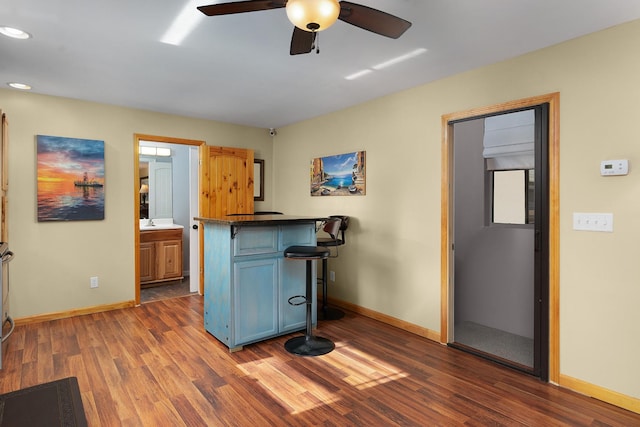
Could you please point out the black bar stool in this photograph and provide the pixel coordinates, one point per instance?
(333, 241)
(307, 345)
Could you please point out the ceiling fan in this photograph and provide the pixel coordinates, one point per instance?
(311, 16)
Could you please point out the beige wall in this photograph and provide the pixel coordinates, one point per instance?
(391, 263)
(54, 260)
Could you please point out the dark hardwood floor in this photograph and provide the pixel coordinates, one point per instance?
(174, 289)
(154, 365)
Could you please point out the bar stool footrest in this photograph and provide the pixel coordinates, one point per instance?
(304, 300)
(309, 345)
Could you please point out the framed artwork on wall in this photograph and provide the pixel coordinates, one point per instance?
(258, 180)
(70, 178)
(339, 175)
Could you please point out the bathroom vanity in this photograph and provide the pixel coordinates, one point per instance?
(247, 280)
(160, 253)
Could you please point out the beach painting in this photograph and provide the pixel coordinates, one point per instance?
(70, 178)
(339, 175)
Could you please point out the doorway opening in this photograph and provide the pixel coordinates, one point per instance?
(505, 199)
(166, 189)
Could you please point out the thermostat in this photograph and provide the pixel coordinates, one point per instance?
(614, 167)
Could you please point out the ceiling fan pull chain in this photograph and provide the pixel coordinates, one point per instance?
(317, 42)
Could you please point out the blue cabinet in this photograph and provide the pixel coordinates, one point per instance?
(247, 281)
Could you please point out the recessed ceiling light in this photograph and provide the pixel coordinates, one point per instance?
(14, 33)
(20, 86)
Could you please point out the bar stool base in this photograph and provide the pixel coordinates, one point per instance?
(329, 313)
(309, 346)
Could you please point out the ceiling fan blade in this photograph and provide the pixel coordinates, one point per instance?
(241, 7)
(373, 20)
(301, 41)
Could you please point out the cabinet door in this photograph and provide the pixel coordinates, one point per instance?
(255, 241)
(255, 293)
(293, 281)
(169, 259)
(147, 261)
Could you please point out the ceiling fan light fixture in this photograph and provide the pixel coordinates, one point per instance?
(313, 15)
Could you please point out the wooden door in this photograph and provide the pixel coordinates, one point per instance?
(226, 186)
(227, 181)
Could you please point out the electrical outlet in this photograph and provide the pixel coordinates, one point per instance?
(332, 276)
(93, 281)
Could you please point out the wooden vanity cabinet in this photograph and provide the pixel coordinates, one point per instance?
(160, 256)
(147, 262)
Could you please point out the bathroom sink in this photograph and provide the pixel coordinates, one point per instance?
(160, 227)
(159, 224)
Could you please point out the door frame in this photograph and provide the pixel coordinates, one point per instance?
(136, 197)
(446, 219)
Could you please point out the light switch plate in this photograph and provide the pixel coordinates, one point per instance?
(593, 222)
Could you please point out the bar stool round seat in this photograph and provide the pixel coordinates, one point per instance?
(309, 344)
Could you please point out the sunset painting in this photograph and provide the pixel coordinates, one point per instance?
(70, 179)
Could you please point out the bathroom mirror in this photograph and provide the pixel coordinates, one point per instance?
(156, 187)
(144, 196)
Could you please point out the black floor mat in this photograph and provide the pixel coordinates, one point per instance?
(57, 403)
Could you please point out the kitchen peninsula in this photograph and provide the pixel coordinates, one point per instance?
(247, 280)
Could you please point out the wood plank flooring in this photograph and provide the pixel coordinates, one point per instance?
(165, 290)
(154, 365)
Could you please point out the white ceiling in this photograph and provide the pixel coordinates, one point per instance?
(237, 68)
